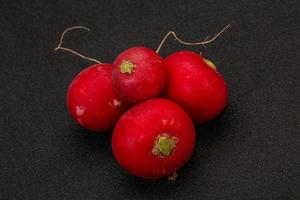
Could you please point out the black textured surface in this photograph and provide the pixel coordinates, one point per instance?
(251, 151)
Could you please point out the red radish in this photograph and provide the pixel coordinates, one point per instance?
(91, 100)
(138, 74)
(153, 139)
(194, 84)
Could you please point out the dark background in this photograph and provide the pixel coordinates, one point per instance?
(251, 151)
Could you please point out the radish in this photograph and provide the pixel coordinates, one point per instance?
(153, 139)
(194, 84)
(91, 100)
(138, 74)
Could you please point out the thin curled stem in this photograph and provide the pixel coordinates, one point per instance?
(60, 47)
(205, 41)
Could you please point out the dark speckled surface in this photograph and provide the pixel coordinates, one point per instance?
(251, 151)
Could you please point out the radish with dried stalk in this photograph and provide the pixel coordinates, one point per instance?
(91, 99)
(194, 82)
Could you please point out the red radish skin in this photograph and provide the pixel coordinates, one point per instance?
(138, 74)
(194, 84)
(153, 139)
(91, 100)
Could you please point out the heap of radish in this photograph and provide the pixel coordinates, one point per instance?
(149, 102)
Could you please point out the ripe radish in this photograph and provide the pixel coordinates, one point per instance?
(138, 74)
(153, 139)
(194, 84)
(91, 100)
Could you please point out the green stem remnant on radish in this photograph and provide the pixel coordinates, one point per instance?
(210, 64)
(126, 67)
(164, 145)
